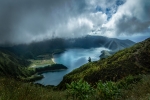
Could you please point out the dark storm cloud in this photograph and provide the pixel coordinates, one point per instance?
(131, 25)
(22, 20)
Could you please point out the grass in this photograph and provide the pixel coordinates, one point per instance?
(39, 63)
(139, 91)
(129, 88)
(11, 89)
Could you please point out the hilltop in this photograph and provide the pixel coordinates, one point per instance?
(58, 45)
(130, 61)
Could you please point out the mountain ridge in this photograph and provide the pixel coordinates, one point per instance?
(31, 51)
(130, 61)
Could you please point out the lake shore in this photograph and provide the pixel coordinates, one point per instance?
(53, 60)
(51, 68)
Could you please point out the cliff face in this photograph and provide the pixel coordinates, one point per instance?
(130, 61)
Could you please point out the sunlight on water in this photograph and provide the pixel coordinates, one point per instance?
(72, 58)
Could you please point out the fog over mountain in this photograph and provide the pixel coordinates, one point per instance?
(24, 21)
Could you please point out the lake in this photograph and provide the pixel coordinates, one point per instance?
(71, 58)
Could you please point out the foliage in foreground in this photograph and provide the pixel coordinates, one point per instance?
(11, 89)
(129, 88)
(81, 90)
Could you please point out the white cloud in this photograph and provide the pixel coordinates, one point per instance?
(130, 18)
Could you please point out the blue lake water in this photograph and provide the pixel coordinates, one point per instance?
(71, 58)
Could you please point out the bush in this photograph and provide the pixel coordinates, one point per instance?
(107, 91)
(127, 82)
(80, 90)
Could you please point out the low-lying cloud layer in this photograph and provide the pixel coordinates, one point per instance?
(24, 21)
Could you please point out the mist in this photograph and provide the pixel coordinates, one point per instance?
(26, 21)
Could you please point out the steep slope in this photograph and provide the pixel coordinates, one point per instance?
(116, 44)
(11, 65)
(130, 61)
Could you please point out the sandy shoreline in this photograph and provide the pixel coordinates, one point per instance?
(50, 62)
(53, 60)
(33, 66)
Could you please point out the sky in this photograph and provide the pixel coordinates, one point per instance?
(24, 21)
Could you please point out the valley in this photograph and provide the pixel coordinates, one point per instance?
(125, 69)
(74, 50)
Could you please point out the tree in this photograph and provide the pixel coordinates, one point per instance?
(89, 59)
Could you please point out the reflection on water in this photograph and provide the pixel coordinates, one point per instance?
(72, 58)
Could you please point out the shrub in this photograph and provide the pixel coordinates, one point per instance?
(127, 82)
(107, 91)
(79, 90)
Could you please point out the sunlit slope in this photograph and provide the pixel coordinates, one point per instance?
(116, 44)
(99, 41)
(130, 61)
(11, 65)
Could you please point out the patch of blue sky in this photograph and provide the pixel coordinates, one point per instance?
(109, 11)
(120, 2)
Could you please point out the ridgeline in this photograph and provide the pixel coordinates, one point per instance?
(124, 76)
(130, 61)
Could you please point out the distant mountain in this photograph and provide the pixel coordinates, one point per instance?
(130, 61)
(116, 44)
(31, 51)
(98, 41)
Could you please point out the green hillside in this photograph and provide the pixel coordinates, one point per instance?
(130, 61)
(11, 65)
(15, 67)
(124, 76)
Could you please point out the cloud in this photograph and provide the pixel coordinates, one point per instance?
(24, 21)
(130, 18)
(28, 20)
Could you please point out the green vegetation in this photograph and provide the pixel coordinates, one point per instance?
(124, 89)
(11, 65)
(122, 76)
(107, 91)
(138, 91)
(79, 90)
(39, 63)
(130, 61)
(11, 89)
(54, 67)
(136, 88)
